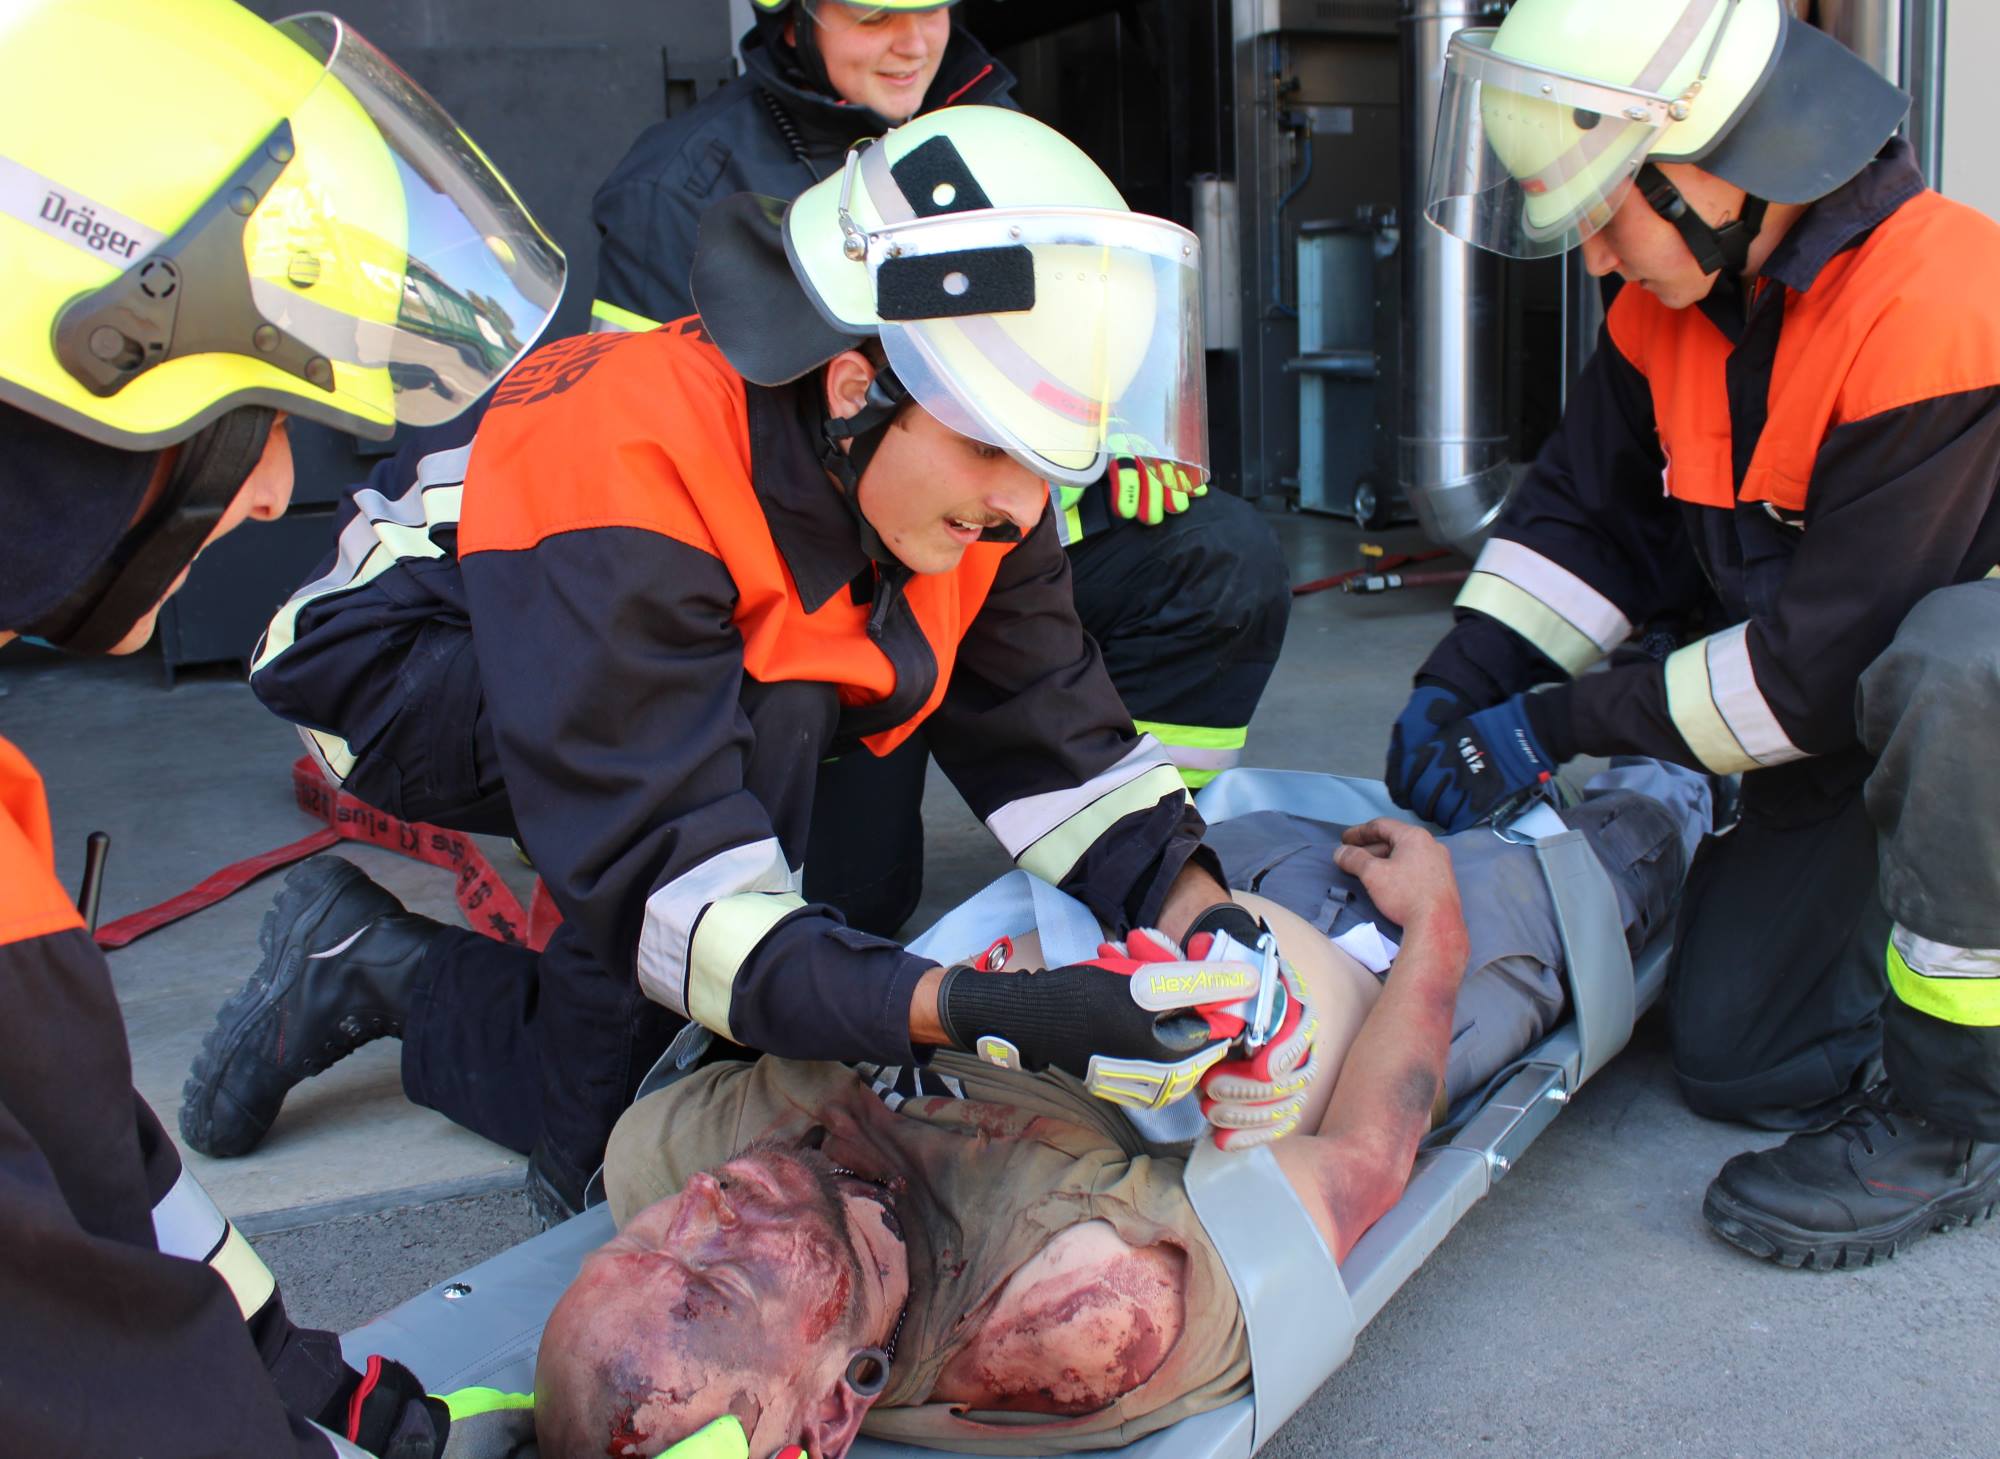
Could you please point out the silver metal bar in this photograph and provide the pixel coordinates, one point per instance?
(1452, 455)
(1872, 29)
(1923, 78)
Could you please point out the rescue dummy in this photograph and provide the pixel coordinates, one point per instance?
(1771, 505)
(292, 227)
(1025, 1275)
(1043, 1284)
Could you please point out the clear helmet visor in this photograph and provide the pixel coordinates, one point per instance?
(1530, 162)
(843, 15)
(391, 245)
(1106, 357)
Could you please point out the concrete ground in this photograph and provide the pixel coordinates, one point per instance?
(1583, 1309)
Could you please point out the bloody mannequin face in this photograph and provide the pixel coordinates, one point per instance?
(746, 1293)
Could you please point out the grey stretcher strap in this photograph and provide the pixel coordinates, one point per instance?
(1300, 1322)
(1600, 967)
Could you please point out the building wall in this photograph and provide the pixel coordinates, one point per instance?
(1971, 163)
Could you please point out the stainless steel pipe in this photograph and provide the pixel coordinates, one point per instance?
(1452, 447)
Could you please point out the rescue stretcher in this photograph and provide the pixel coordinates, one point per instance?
(1303, 1314)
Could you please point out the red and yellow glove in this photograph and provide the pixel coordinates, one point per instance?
(1147, 490)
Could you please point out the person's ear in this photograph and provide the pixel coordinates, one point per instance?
(835, 1422)
(848, 376)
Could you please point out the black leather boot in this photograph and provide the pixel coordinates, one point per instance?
(340, 959)
(555, 1192)
(1856, 1191)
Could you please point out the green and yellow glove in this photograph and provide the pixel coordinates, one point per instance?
(489, 1424)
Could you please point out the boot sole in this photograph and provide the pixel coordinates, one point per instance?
(309, 890)
(1765, 1236)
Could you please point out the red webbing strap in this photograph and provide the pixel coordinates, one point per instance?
(226, 882)
(489, 906)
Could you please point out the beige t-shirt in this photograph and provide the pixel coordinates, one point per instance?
(985, 1183)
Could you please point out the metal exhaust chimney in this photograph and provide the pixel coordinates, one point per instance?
(1453, 441)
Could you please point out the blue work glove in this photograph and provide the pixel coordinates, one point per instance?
(1414, 743)
(1487, 764)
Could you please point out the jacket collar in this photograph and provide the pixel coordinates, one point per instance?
(969, 74)
(813, 528)
(1845, 216)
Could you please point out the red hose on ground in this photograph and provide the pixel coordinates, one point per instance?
(1386, 564)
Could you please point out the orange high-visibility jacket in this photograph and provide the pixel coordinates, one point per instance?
(1790, 475)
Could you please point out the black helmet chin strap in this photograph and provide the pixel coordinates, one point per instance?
(1716, 250)
(863, 431)
(211, 469)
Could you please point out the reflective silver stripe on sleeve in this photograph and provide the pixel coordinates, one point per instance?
(330, 752)
(1691, 704)
(1742, 703)
(187, 1224)
(1047, 834)
(1547, 604)
(384, 530)
(1713, 698)
(1190, 758)
(673, 910)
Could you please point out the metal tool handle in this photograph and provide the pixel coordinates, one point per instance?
(95, 848)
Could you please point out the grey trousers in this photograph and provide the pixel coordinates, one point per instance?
(1513, 991)
(1929, 711)
(1779, 1001)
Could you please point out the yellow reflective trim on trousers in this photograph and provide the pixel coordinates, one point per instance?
(1058, 850)
(238, 1264)
(471, 1402)
(728, 932)
(608, 318)
(1194, 736)
(1200, 752)
(1534, 620)
(1969, 1002)
(1691, 703)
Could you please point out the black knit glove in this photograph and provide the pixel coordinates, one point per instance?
(1058, 1017)
(1125, 1022)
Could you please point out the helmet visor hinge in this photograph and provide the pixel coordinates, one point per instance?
(189, 296)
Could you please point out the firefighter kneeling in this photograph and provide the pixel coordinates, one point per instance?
(1780, 464)
(677, 569)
